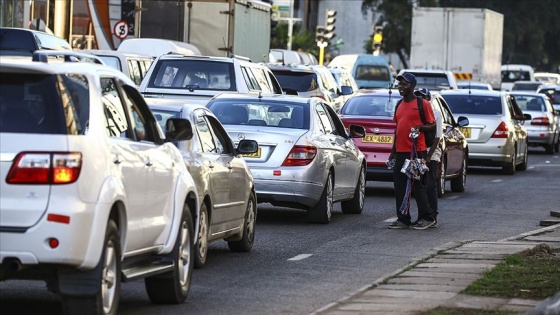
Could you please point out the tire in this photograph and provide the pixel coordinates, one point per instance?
(173, 287)
(245, 244)
(356, 204)
(441, 180)
(509, 168)
(458, 184)
(201, 245)
(523, 165)
(557, 145)
(322, 211)
(106, 301)
(549, 148)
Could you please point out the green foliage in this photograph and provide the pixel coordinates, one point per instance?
(300, 39)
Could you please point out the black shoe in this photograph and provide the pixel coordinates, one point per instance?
(423, 224)
(397, 225)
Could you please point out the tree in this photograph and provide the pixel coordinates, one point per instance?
(300, 39)
(396, 18)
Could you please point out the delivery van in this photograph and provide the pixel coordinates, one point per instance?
(369, 71)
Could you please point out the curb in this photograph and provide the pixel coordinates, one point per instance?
(432, 253)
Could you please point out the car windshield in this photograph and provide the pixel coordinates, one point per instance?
(261, 113)
(474, 104)
(379, 105)
(553, 94)
(293, 81)
(431, 81)
(44, 104)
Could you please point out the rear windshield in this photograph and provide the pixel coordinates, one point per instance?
(23, 43)
(474, 104)
(193, 74)
(515, 75)
(525, 86)
(293, 81)
(370, 106)
(111, 61)
(553, 94)
(45, 104)
(432, 81)
(531, 103)
(372, 73)
(261, 113)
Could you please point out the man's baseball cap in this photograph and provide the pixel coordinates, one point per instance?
(408, 77)
(424, 93)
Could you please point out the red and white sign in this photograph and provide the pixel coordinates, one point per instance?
(121, 29)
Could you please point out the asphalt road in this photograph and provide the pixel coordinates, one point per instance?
(296, 267)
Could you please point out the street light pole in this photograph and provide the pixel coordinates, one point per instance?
(291, 25)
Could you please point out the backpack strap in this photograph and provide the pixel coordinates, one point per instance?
(421, 109)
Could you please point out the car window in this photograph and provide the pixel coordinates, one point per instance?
(515, 75)
(324, 118)
(261, 80)
(250, 79)
(221, 137)
(372, 72)
(447, 117)
(205, 135)
(46, 104)
(553, 94)
(432, 80)
(111, 61)
(134, 69)
(116, 119)
(162, 116)
(139, 122)
(178, 74)
(474, 104)
(379, 105)
(296, 81)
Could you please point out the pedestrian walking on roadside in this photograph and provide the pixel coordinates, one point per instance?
(409, 123)
(433, 157)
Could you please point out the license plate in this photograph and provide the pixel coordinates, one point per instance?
(377, 139)
(466, 132)
(253, 155)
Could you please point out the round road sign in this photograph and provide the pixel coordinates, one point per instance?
(121, 29)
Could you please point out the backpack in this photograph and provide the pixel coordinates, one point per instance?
(429, 136)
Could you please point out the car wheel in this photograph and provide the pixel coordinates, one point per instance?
(322, 211)
(509, 168)
(557, 145)
(106, 301)
(356, 204)
(245, 244)
(523, 165)
(441, 180)
(458, 184)
(201, 246)
(173, 287)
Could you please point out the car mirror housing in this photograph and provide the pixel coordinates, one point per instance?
(357, 131)
(246, 146)
(178, 129)
(462, 121)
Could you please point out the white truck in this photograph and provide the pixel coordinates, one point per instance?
(225, 27)
(466, 41)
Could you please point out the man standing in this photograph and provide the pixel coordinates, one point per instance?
(407, 117)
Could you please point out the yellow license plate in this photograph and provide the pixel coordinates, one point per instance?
(377, 139)
(466, 132)
(253, 155)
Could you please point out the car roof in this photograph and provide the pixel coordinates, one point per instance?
(292, 67)
(176, 105)
(106, 52)
(267, 97)
(467, 92)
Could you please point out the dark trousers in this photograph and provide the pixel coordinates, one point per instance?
(400, 181)
(431, 188)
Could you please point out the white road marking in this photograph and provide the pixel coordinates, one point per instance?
(452, 197)
(496, 180)
(300, 257)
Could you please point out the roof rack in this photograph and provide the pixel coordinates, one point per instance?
(240, 57)
(65, 56)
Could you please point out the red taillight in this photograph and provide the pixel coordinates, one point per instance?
(45, 168)
(300, 156)
(501, 131)
(540, 121)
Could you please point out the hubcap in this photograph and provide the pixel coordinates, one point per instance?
(362, 191)
(108, 282)
(203, 234)
(250, 219)
(329, 197)
(184, 255)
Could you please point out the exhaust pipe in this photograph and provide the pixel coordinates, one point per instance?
(12, 264)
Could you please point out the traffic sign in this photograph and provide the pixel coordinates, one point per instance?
(121, 29)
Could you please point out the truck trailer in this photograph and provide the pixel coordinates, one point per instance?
(466, 41)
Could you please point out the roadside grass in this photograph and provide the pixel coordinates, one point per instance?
(532, 274)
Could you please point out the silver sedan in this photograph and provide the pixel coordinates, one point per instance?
(306, 157)
(223, 181)
(496, 133)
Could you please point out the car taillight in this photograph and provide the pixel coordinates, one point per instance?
(501, 131)
(54, 168)
(540, 121)
(300, 156)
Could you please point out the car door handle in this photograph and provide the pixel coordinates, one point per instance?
(149, 163)
(117, 160)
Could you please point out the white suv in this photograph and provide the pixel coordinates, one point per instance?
(93, 193)
(199, 78)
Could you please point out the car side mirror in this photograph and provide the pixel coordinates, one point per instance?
(357, 131)
(346, 90)
(246, 146)
(526, 117)
(178, 129)
(462, 121)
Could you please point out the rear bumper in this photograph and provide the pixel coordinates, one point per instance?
(494, 151)
(80, 241)
(541, 137)
(292, 193)
(375, 173)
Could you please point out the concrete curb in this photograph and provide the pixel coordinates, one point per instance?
(432, 253)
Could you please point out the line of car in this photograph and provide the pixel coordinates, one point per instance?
(186, 162)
